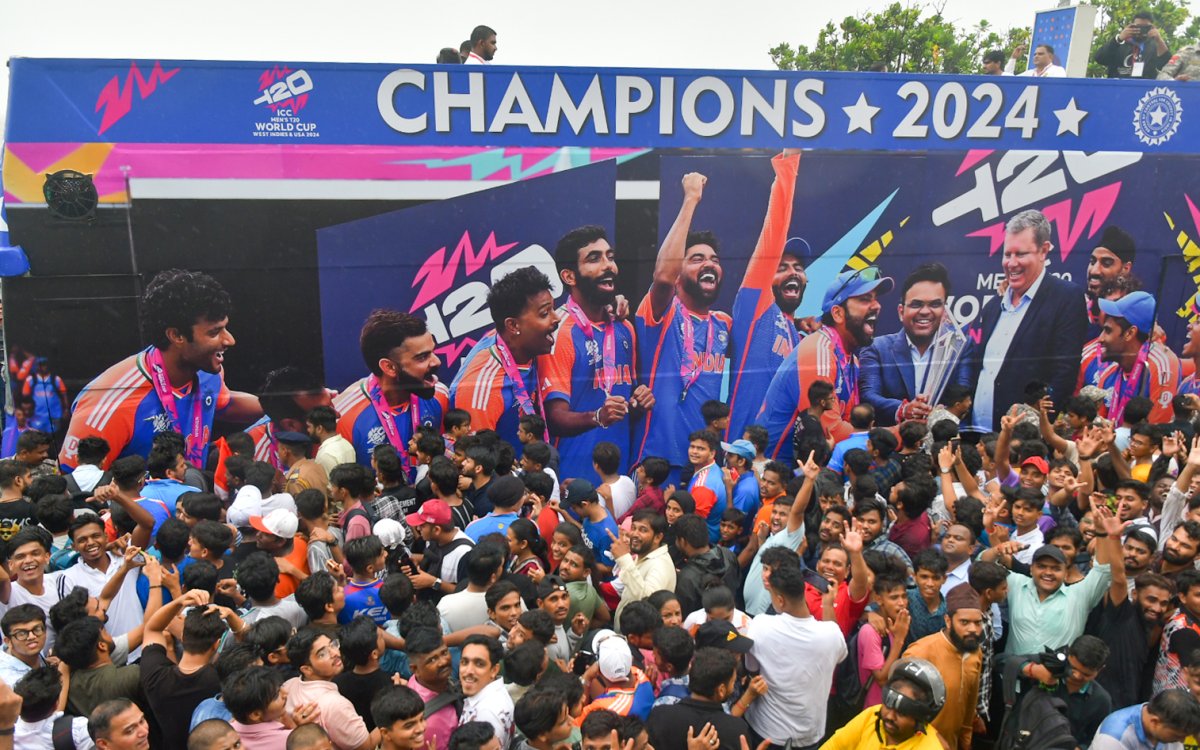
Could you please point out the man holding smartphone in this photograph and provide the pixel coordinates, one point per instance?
(1139, 51)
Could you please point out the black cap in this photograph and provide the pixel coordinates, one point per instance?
(579, 491)
(549, 584)
(722, 634)
(1049, 550)
(505, 492)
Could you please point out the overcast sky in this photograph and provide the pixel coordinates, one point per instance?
(714, 34)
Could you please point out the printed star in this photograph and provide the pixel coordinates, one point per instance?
(1157, 116)
(1069, 118)
(860, 115)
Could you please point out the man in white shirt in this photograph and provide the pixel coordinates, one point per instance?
(333, 448)
(483, 46)
(487, 699)
(653, 570)
(468, 607)
(1043, 63)
(24, 629)
(793, 710)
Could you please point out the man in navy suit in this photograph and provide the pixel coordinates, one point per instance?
(1035, 332)
(894, 366)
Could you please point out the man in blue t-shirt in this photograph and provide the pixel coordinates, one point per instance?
(598, 526)
(506, 495)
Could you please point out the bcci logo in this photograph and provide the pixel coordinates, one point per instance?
(376, 436)
(1157, 116)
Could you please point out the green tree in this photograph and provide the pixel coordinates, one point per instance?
(900, 39)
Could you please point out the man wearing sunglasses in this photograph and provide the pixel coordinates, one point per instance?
(849, 313)
(895, 366)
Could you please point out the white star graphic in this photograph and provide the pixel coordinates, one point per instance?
(1157, 115)
(860, 114)
(1069, 118)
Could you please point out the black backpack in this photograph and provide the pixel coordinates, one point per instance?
(849, 690)
(1038, 722)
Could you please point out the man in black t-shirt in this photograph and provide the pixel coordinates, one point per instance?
(174, 691)
(810, 433)
(1125, 624)
(362, 645)
(16, 511)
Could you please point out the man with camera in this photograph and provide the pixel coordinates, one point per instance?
(1137, 52)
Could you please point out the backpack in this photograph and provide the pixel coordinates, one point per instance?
(364, 510)
(1038, 722)
(849, 690)
(62, 733)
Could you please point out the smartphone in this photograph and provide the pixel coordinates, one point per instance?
(583, 660)
(954, 443)
(405, 561)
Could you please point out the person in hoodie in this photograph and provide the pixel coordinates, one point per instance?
(704, 565)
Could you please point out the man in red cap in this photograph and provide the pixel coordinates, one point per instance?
(446, 545)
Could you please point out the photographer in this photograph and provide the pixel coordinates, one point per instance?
(1137, 52)
(1069, 675)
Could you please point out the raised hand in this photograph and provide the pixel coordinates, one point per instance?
(900, 625)
(946, 458)
(810, 467)
(619, 546)
(1107, 521)
(852, 539)
(1007, 422)
(693, 189)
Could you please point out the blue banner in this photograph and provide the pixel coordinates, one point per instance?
(286, 102)
(440, 259)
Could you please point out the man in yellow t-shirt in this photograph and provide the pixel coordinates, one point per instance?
(914, 695)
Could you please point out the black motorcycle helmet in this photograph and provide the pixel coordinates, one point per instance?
(925, 676)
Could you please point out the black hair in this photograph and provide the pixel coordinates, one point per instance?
(300, 646)
(44, 486)
(396, 593)
(497, 591)
(395, 703)
(213, 536)
(537, 712)
(311, 504)
(202, 629)
(481, 33)
(788, 582)
(912, 433)
(443, 475)
(455, 418)
(472, 735)
(280, 388)
(676, 647)
(235, 657)
(932, 560)
(523, 664)
(322, 416)
(77, 642)
(994, 56)
(128, 472)
(537, 452)
(984, 575)
(199, 575)
(1091, 652)
(356, 479)
(267, 635)
(39, 689)
(422, 641)
(607, 456)
(388, 465)
(869, 505)
(55, 513)
(566, 252)
(92, 450)
(203, 506)
(600, 723)
(484, 457)
(257, 575)
(693, 530)
(934, 272)
(250, 690)
(1177, 709)
(715, 597)
(419, 615)
(639, 618)
(172, 539)
(101, 718)
(383, 331)
(539, 623)
(711, 668)
(81, 521)
(494, 649)
(510, 295)
(362, 551)
(1137, 409)
(713, 410)
(358, 639)
(315, 593)
(180, 299)
(483, 562)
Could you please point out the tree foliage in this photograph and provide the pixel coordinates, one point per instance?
(909, 38)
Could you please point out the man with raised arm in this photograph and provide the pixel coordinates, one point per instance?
(682, 342)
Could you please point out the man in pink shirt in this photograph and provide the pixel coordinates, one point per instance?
(319, 661)
(429, 659)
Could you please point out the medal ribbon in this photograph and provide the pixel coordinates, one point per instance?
(194, 444)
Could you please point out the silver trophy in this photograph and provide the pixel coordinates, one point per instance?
(948, 345)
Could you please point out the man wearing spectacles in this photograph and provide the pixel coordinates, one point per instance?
(849, 313)
(24, 628)
(895, 366)
(319, 659)
(1036, 330)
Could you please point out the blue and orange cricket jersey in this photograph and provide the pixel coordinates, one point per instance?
(572, 372)
(1090, 364)
(708, 490)
(1159, 381)
(664, 432)
(815, 358)
(359, 424)
(482, 389)
(762, 335)
(262, 433)
(122, 407)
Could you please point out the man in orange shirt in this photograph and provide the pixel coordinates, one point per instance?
(277, 537)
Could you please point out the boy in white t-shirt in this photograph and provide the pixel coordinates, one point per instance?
(1025, 510)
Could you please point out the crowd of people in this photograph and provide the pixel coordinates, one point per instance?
(621, 528)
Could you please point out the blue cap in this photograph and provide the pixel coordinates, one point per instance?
(854, 283)
(743, 448)
(1136, 307)
(797, 246)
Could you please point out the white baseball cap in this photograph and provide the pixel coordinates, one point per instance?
(612, 655)
(280, 522)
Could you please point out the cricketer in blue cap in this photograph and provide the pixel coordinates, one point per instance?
(1137, 366)
(849, 311)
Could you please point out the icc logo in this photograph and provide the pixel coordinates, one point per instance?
(376, 436)
(1157, 116)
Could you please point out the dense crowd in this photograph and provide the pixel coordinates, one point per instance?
(668, 527)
